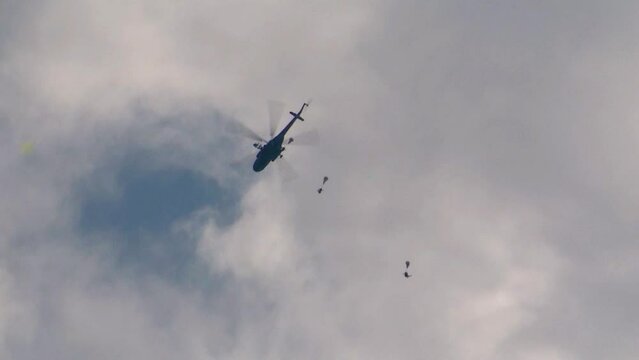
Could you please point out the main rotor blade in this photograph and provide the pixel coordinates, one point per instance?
(245, 160)
(306, 138)
(237, 128)
(275, 110)
(286, 170)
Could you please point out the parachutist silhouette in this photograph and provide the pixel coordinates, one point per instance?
(407, 264)
(406, 275)
(319, 191)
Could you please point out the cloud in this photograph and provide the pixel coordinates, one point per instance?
(489, 143)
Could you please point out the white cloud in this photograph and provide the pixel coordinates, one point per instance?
(491, 144)
(260, 244)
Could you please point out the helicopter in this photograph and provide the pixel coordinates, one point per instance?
(272, 150)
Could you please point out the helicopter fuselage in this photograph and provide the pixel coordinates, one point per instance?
(269, 152)
(273, 149)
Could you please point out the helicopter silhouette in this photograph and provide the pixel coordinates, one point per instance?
(272, 150)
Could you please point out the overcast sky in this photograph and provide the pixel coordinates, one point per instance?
(493, 144)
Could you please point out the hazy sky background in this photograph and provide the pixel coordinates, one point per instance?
(491, 143)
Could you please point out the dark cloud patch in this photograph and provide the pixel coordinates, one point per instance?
(140, 220)
(152, 200)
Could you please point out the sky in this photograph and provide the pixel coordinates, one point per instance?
(490, 143)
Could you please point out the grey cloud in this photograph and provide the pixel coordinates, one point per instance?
(505, 95)
(489, 143)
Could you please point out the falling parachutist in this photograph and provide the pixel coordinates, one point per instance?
(319, 191)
